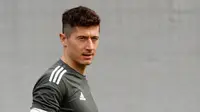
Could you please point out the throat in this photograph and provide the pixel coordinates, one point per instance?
(77, 67)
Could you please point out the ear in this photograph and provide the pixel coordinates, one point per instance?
(63, 39)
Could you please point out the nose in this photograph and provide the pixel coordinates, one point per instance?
(90, 44)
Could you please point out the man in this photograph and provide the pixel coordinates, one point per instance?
(63, 87)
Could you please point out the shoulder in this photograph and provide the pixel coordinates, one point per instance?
(53, 75)
(52, 78)
(50, 88)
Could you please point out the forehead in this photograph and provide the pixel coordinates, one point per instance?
(86, 31)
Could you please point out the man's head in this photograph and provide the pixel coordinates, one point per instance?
(80, 34)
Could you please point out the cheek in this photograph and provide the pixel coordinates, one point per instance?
(95, 48)
(96, 45)
(75, 51)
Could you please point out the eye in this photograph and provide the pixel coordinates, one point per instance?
(95, 38)
(82, 37)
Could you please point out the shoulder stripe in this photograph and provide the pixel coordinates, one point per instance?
(59, 78)
(52, 74)
(57, 73)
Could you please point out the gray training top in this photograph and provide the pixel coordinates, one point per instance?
(62, 89)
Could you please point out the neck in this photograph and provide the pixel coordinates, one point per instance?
(78, 67)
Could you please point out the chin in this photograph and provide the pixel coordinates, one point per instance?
(86, 63)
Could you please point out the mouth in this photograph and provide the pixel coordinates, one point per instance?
(87, 56)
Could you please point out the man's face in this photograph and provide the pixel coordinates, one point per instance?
(81, 45)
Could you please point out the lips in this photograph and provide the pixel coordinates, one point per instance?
(87, 56)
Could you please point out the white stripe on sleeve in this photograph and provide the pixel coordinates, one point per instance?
(52, 74)
(59, 78)
(57, 73)
(37, 110)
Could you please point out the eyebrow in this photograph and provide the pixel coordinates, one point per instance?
(95, 36)
(88, 36)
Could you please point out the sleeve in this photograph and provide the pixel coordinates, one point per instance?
(48, 95)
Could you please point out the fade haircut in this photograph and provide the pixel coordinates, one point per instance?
(79, 16)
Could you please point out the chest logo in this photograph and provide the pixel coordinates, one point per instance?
(82, 97)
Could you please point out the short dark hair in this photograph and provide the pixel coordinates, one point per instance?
(79, 16)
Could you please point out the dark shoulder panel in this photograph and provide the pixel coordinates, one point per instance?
(49, 90)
